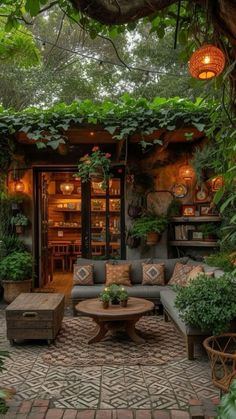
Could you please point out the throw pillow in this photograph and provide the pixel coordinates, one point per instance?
(118, 274)
(193, 274)
(153, 274)
(83, 275)
(180, 274)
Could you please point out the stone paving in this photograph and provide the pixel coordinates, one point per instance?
(110, 388)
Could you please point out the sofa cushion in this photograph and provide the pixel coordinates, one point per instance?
(136, 273)
(82, 293)
(118, 274)
(153, 274)
(98, 268)
(83, 275)
(194, 273)
(180, 274)
(150, 292)
(170, 265)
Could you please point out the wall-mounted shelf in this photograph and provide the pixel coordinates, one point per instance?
(200, 219)
(194, 243)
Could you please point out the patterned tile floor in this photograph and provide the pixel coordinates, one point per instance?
(166, 386)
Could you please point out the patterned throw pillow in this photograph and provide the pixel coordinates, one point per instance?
(118, 274)
(153, 274)
(83, 275)
(193, 274)
(180, 274)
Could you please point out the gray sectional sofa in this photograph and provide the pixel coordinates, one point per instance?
(161, 295)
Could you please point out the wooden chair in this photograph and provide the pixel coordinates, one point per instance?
(59, 252)
(75, 252)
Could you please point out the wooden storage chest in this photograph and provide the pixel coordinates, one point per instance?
(35, 316)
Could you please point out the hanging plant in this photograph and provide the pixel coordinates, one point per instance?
(95, 166)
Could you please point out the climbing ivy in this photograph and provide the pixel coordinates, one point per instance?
(121, 119)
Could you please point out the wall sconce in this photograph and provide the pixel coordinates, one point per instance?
(206, 63)
(66, 188)
(19, 186)
(186, 173)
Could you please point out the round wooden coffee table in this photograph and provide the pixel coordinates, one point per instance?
(115, 317)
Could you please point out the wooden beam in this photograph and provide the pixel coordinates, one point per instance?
(119, 147)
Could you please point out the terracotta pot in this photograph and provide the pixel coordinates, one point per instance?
(105, 304)
(124, 303)
(14, 288)
(152, 238)
(97, 176)
(115, 301)
(19, 229)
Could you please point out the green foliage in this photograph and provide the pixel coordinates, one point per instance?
(19, 220)
(208, 303)
(4, 393)
(174, 209)
(11, 244)
(95, 162)
(126, 117)
(148, 223)
(227, 406)
(114, 292)
(209, 229)
(222, 260)
(16, 267)
(204, 159)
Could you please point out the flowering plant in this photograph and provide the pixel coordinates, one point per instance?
(96, 162)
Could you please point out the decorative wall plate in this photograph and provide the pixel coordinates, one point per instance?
(179, 190)
(201, 194)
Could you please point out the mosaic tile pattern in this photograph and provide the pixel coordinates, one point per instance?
(71, 347)
(168, 385)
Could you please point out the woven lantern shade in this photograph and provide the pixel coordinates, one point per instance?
(207, 62)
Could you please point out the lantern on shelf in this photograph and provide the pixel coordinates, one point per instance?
(207, 62)
(186, 172)
(67, 188)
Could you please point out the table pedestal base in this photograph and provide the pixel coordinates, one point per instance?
(103, 326)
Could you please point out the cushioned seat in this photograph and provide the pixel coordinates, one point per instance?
(84, 292)
(151, 292)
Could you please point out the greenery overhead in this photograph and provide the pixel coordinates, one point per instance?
(208, 303)
(120, 119)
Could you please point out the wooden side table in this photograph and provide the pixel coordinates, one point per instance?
(35, 316)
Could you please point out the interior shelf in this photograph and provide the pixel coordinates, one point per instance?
(200, 219)
(66, 210)
(194, 243)
(61, 196)
(61, 227)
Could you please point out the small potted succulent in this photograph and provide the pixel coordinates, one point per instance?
(105, 298)
(16, 274)
(19, 221)
(95, 166)
(123, 296)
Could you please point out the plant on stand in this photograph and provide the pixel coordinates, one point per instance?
(95, 166)
(19, 221)
(149, 226)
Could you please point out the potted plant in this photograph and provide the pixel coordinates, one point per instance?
(208, 303)
(16, 274)
(19, 221)
(123, 296)
(149, 226)
(105, 298)
(209, 231)
(96, 166)
(227, 406)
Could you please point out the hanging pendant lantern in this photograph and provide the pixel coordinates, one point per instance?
(207, 62)
(186, 172)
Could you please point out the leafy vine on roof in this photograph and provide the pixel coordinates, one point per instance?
(120, 119)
